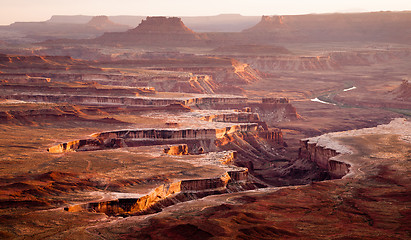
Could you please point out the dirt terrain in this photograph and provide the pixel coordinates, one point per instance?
(161, 132)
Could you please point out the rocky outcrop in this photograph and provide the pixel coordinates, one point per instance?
(192, 74)
(268, 112)
(275, 100)
(181, 149)
(403, 92)
(103, 23)
(380, 26)
(210, 101)
(238, 117)
(24, 80)
(323, 157)
(22, 115)
(197, 140)
(40, 85)
(62, 63)
(325, 62)
(291, 63)
(169, 194)
(163, 196)
(93, 100)
(169, 31)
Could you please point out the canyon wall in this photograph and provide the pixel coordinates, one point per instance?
(337, 27)
(325, 62)
(163, 196)
(169, 194)
(239, 117)
(323, 157)
(169, 31)
(93, 100)
(197, 140)
(181, 149)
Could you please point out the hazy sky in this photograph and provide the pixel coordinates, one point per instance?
(41, 10)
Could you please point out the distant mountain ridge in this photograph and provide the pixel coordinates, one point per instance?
(217, 23)
(373, 26)
(219, 30)
(154, 31)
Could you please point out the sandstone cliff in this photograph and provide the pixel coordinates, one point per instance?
(162, 31)
(181, 149)
(103, 23)
(325, 62)
(167, 195)
(234, 179)
(403, 92)
(197, 140)
(240, 117)
(323, 157)
(375, 26)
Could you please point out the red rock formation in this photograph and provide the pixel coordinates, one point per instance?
(375, 26)
(403, 92)
(291, 63)
(46, 113)
(105, 24)
(240, 117)
(162, 25)
(62, 63)
(154, 31)
(181, 149)
(251, 49)
(275, 100)
(26, 80)
(267, 23)
(214, 100)
(164, 195)
(195, 139)
(322, 156)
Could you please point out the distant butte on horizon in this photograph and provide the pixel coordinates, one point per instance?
(211, 31)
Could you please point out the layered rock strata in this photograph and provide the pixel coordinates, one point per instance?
(380, 26)
(323, 156)
(181, 149)
(234, 179)
(239, 117)
(154, 31)
(196, 139)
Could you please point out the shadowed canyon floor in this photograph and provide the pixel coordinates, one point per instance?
(201, 136)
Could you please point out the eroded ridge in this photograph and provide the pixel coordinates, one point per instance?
(233, 180)
(329, 153)
(323, 155)
(205, 139)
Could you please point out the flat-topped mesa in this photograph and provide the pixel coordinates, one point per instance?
(275, 100)
(93, 100)
(268, 23)
(215, 100)
(181, 149)
(238, 117)
(323, 157)
(105, 24)
(174, 134)
(154, 31)
(381, 26)
(270, 110)
(169, 194)
(196, 140)
(232, 179)
(162, 25)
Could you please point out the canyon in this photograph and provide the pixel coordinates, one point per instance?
(223, 127)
